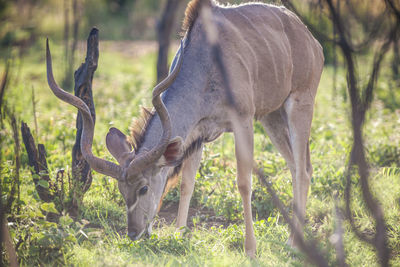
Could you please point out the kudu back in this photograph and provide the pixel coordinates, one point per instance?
(274, 66)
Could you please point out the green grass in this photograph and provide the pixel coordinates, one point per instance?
(122, 83)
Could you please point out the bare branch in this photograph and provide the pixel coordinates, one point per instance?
(308, 248)
(15, 183)
(35, 115)
(368, 93)
(2, 219)
(359, 109)
(372, 33)
(394, 8)
(12, 255)
(318, 34)
(349, 214)
(2, 209)
(211, 34)
(337, 237)
(3, 86)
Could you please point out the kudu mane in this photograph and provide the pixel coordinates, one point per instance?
(137, 132)
(138, 128)
(192, 12)
(139, 125)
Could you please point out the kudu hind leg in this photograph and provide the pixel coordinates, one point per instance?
(244, 158)
(276, 126)
(299, 108)
(189, 169)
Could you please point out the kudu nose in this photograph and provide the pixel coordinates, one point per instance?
(132, 235)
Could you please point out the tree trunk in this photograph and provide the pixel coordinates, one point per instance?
(396, 61)
(67, 79)
(164, 29)
(76, 15)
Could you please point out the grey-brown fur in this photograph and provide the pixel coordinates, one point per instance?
(193, 147)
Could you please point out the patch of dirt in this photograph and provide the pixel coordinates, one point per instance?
(202, 215)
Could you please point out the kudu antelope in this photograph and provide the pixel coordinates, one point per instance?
(275, 66)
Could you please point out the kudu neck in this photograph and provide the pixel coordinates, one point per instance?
(183, 111)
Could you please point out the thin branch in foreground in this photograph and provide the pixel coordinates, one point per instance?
(319, 35)
(308, 248)
(394, 8)
(3, 86)
(360, 103)
(34, 102)
(15, 187)
(212, 37)
(337, 238)
(359, 109)
(9, 246)
(349, 214)
(2, 215)
(5, 238)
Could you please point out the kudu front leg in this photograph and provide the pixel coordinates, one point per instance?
(189, 169)
(244, 157)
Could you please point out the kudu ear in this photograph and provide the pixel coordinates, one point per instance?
(173, 154)
(118, 146)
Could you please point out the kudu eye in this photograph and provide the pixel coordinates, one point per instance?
(143, 190)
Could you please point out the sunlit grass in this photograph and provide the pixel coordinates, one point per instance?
(121, 84)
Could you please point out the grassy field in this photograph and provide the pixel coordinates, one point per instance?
(122, 83)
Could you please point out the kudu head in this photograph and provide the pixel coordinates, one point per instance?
(138, 175)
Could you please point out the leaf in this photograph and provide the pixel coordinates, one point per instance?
(49, 207)
(43, 183)
(71, 238)
(66, 220)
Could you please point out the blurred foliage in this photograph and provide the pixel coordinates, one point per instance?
(3, 7)
(118, 19)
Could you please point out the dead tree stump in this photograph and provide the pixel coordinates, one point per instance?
(81, 172)
(37, 160)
